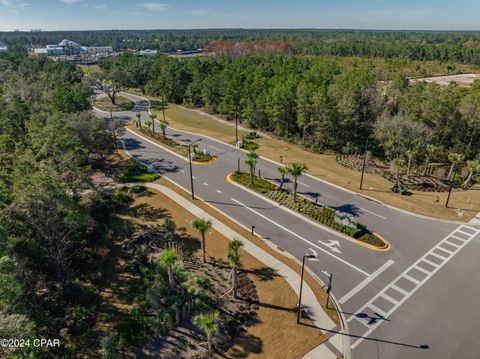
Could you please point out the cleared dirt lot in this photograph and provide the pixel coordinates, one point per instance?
(462, 79)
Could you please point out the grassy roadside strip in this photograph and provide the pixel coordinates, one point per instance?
(278, 253)
(324, 167)
(324, 215)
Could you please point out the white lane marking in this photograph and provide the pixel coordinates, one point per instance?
(303, 184)
(218, 191)
(194, 177)
(205, 183)
(182, 171)
(375, 214)
(366, 281)
(300, 237)
(215, 148)
(416, 287)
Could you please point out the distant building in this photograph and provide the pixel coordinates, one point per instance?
(93, 50)
(3, 49)
(55, 50)
(40, 51)
(35, 30)
(147, 52)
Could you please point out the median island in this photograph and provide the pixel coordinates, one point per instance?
(339, 221)
(199, 157)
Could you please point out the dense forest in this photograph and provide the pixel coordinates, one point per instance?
(326, 104)
(462, 47)
(51, 235)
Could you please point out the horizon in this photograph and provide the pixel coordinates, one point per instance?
(373, 15)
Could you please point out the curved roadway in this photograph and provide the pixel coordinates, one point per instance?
(417, 300)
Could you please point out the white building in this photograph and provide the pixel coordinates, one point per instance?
(3, 49)
(93, 50)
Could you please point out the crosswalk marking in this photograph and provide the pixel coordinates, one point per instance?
(377, 310)
(399, 290)
(422, 269)
(390, 299)
(411, 279)
(373, 324)
(433, 264)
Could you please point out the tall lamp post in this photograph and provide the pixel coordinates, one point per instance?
(301, 287)
(190, 163)
(364, 162)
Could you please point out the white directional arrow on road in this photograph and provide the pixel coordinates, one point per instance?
(332, 244)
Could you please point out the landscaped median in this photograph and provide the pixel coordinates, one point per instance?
(198, 157)
(338, 221)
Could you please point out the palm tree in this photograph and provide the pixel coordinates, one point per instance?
(454, 158)
(398, 163)
(283, 170)
(163, 106)
(411, 154)
(202, 226)
(168, 259)
(153, 118)
(163, 126)
(251, 163)
(253, 156)
(139, 122)
(234, 262)
(208, 322)
(473, 166)
(148, 124)
(431, 149)
(296, 170)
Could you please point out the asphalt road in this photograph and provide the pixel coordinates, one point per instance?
(417, 300)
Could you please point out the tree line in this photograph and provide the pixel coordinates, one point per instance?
(326, 104)
(453, 46)
(51, 234)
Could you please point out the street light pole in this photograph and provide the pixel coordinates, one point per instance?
(329, 288)
(190, 164)
(364, 162)
(236, 124)
(301, 287)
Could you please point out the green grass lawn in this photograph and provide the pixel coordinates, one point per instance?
(122, 104)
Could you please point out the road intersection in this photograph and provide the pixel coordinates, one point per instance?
(408, 302)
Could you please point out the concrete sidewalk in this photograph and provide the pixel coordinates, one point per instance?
(328, 350)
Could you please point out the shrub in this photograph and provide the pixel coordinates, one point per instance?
(79, 293)
(138, 172)
(138, 189)
(250, 145)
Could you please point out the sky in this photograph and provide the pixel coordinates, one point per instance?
(194, 14)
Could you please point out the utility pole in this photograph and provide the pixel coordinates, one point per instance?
(364, 162)
(190, 164)
(301, 287)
